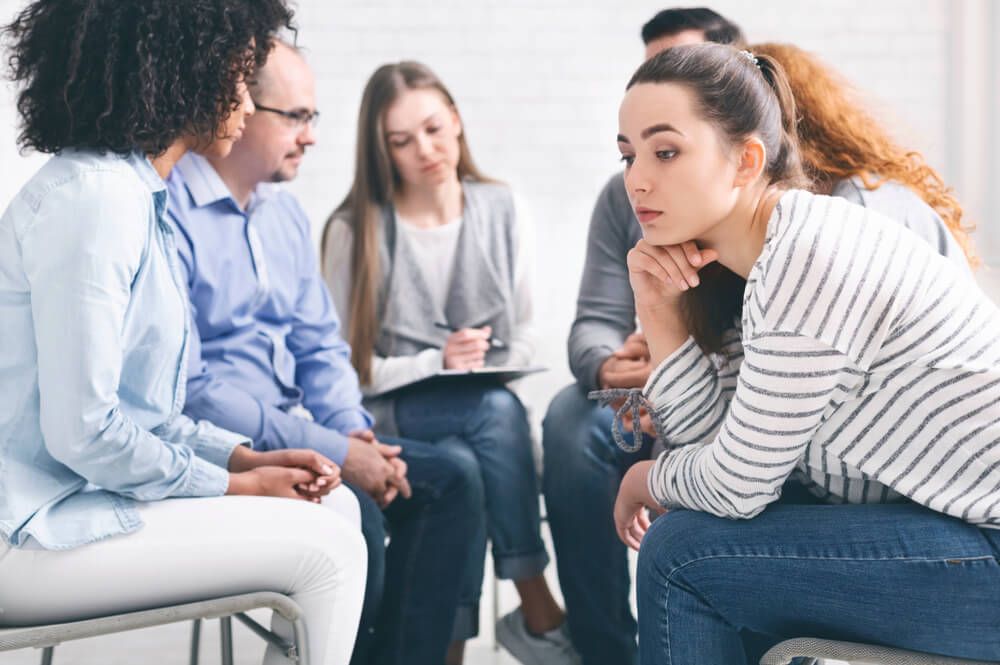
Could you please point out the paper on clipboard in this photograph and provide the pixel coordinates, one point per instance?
(500, 374)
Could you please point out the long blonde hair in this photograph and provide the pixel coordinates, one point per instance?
(376, 182)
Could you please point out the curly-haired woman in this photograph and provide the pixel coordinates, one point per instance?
(110, 499)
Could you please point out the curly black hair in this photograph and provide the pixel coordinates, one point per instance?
(121, 75)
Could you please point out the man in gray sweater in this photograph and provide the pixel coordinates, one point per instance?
(583, 466)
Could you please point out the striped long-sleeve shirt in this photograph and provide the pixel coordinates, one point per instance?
(870, 365)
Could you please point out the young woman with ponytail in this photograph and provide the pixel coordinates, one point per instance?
(866, 371)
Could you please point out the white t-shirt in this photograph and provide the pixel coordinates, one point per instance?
(440, 244)
(435, 254)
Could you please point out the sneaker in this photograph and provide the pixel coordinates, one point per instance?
(551, 648)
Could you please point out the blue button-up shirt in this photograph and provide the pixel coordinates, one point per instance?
(92, 356)
(270, 336)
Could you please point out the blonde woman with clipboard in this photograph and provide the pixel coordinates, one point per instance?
(429, 264)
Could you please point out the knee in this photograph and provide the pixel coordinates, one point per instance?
(467, 477)
(501, 410)
(576, 429)
(565, 409)
(501, 400)
(331, 549)
(343, 501)
(675, 540)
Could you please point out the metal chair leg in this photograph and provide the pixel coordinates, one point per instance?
(226, 626)
(290, 649)
(47, 655)
(496, 611)
(195, 640)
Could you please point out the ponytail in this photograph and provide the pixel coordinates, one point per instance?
(786, 163)
(742, 95)
(840, 139)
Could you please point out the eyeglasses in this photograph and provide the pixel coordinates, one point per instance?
(298, 119)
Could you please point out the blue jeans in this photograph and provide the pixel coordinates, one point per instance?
(898, 575)
(581, 473)
(429, 541)
(483, 428)
(373, 530)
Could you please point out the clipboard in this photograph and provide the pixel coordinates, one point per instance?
(497, 374)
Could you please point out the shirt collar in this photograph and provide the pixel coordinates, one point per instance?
(201, 180)
(206, 187)
(144, 168)
(263, 193)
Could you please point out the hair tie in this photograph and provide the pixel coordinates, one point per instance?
(751, 57)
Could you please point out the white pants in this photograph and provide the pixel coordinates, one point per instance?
(195, 549)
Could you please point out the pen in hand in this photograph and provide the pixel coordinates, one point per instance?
(494, 342)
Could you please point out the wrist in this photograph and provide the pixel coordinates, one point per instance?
(637, 479)
(666, 310)
(240, 483)
(241, 459)
(602, 369)
(665, 328)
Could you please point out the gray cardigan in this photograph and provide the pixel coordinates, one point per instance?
(481, 292)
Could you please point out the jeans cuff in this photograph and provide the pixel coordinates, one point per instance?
(520, 566)
(466, 623)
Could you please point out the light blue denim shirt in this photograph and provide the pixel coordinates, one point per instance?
(93, 337)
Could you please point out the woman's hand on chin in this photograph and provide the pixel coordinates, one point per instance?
(660, 274)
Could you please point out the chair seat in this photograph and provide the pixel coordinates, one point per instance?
(857, 654)
(52, 634)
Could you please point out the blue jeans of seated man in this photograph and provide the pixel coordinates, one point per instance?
(429, 542)
(582, 470)
(484, 429)
(899, 575)
(373, 530)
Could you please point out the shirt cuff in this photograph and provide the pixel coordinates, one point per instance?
(430, 361)
(208, 441)
(352, 421)
(328, 442)
(590, 367)
(392, 372)
(221, 448)
(205, 479)
(657, 471)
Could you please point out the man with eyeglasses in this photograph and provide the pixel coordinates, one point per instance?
(268, 361)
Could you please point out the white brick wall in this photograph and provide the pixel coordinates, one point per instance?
(538, 84)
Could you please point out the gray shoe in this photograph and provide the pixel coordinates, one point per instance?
(551, 648)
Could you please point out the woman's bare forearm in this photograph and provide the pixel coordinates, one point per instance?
(665, 329)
